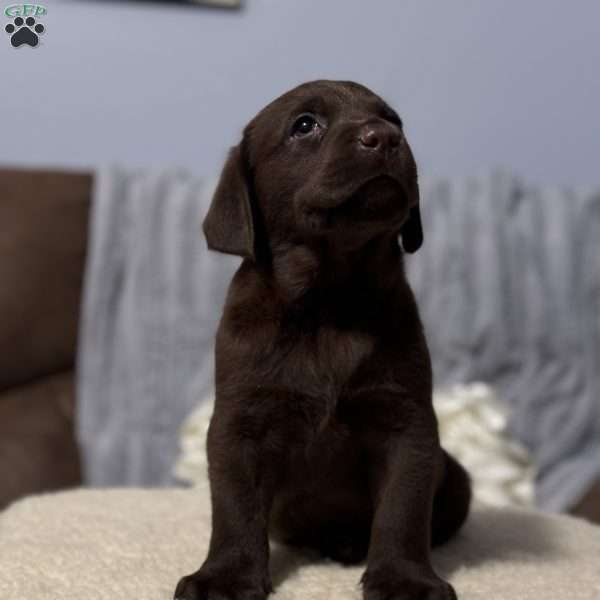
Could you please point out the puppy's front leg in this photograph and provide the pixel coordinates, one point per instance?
(405, 464)
(236, 567)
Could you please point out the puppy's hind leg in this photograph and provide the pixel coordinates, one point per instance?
(451, 501)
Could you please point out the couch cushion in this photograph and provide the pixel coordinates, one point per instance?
(38, 451)
(137, 543)
(43, 232)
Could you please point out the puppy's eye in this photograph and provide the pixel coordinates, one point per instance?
(304, 125)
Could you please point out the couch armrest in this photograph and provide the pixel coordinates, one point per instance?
(43, 234)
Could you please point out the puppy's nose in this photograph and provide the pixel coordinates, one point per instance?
(379, 136)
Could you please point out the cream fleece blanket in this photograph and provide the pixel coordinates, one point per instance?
(135, 544)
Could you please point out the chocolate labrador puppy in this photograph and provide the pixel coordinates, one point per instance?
(323, 434)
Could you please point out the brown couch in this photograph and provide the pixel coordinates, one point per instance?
(43, 239)
(43, 234)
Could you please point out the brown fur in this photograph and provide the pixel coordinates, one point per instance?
(324, 433)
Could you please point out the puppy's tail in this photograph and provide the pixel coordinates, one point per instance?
(452, 501)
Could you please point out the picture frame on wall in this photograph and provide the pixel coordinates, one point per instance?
(219, 3)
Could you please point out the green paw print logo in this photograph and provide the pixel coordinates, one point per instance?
(25, 29)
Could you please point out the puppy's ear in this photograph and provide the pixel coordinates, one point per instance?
(412, 231)
(228, 225)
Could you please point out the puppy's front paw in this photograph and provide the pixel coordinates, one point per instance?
(405, 582)
(204, 585)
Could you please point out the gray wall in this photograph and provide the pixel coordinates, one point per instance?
(513, 84)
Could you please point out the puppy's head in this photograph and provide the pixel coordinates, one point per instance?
(327, 160)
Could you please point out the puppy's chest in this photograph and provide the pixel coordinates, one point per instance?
(317, 361)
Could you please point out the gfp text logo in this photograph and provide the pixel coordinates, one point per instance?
(25, 10)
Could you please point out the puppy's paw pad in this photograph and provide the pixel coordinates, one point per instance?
(199, 586)
(406, 586)
(411, 592)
